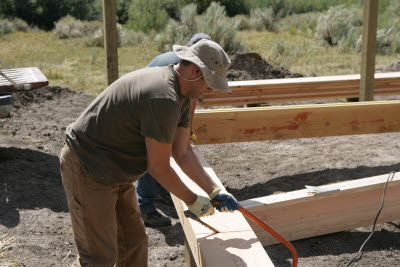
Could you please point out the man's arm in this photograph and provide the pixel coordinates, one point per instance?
(158, 165)
(189, 162)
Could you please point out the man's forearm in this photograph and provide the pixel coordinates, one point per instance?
(171, 181)
(191, 166)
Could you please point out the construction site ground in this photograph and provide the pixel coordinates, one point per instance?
(34, 211)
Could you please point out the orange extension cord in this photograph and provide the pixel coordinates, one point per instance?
(254, 218)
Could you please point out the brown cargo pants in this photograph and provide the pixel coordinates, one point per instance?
(106, 220)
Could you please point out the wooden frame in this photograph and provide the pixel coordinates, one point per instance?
(285, 122)
(368, 51)
(327, 87)
(202, 256)
(297, 214)
(294, 215)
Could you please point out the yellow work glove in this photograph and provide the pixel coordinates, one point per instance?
(202, 207)
(193, 137)
(227, 202)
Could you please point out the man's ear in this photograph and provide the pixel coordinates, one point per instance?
(196, 71)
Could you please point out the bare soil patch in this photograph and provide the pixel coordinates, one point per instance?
(33, 206)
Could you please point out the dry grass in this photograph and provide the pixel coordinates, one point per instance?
(7, 259)
(69, 63)
(304, 54)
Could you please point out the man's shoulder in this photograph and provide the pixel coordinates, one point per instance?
(157, 83)
(164, 60)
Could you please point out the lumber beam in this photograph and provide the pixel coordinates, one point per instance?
(303, 121)
(235, 245)
(297, 214)
(327, 87)
(368, 50)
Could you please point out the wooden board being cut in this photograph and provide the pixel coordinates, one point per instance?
(286, 122)
(235, 245)
(297, 214)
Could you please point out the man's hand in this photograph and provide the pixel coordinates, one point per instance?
(227, 202)
(202, 207)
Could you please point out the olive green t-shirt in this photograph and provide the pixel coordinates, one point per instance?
(109, 136)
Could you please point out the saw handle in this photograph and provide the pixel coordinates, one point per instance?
(255, 219)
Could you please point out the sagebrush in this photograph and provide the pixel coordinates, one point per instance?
(13, 25)
(340, 26)
(214, 22)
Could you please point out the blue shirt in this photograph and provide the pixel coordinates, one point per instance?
(164, 60)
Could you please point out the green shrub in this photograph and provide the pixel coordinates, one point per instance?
(94, 37)
(68, 27)
(43, 13)
(244, 22)
(213, 22)
(220, 27)
(387, 40)
(6, 26)
(305, 23)
(20, 25)
(174, 33)
(262, 19)
(188, 15)
(340, 26)
(93, 34)
(284, 8)
(278, 47)
(131, 37)
(147, 15)
(15, 25)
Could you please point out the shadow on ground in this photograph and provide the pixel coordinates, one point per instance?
(29, 180)
(297, 182)
(336, 244)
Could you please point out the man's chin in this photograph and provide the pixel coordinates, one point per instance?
(195, 97)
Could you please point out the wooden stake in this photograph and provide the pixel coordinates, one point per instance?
(110, 39)
(368, 49)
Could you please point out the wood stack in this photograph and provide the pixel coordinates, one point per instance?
(21, 80)
(328, 87)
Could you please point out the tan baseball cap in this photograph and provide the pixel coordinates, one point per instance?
(211, 59)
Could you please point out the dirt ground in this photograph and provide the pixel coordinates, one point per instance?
(33, 207)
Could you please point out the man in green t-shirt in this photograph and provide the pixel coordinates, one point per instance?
(134, 126)
(147, 188)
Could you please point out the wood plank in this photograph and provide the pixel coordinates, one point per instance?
(286, 122)
(190, 261)
(110, 39)
(236, 243)
(328, 87)
(368, 50)
(297, 214)
(21, 80)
